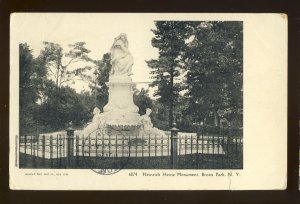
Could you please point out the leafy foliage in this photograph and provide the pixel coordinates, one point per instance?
(58, 63)
(27, 88)
(44, 103)
(103, 69)
(73, 107)
(142, 100)
(170, 40)
(209, 57)
(214, 78)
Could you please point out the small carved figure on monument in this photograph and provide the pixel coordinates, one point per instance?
(122, 59)
(95, 124)
(145, 121)
(96, 113)
(147, 126)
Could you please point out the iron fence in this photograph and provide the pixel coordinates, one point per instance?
(217, 149)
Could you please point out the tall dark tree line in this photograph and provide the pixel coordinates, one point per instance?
(170, 40)
(208, 57)
(28, 80)
(214, 60)
(43, 102)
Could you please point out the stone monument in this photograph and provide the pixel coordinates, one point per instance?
(120, 113)
(120, 109)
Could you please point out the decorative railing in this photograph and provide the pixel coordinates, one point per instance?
(71, 145)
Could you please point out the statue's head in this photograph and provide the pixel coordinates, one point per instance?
(121, 42)
(148, 111)
(96, 111)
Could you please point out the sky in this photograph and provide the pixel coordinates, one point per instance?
(97, 30)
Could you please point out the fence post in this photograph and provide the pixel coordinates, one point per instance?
(43, 148)
(174, 149)
(37, 132)
(70, 145)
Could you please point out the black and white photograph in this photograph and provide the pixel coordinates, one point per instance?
(80, 112)
(113, 93)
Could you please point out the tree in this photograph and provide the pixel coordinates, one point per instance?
(142, 100)
(61, 68)
(42, 81)
(103, 67)
(72, 106)
(169, 38)
(213, 58)
(59, 63)
(27, 88)
(209, 57)
(159, 116)
(47, 103)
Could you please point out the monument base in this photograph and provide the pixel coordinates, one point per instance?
(120, 109)
(120, 116)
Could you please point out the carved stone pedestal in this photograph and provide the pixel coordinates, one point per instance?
(120, 109)
(120, 116)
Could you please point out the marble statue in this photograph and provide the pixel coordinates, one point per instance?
(96, 123)
(147, 126)
(121, 58)
(120, 109)
(120, 113)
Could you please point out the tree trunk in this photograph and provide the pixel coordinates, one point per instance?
(171, 99)
(216, 119)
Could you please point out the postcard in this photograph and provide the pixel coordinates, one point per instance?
(148, 101)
